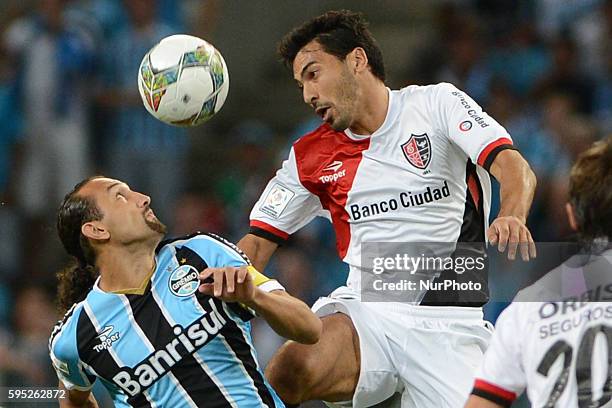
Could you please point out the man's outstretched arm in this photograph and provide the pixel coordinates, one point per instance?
(478, 402)
(258, 249)
(288, 316)
(517, 186)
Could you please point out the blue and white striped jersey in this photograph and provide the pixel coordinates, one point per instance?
(170, 346)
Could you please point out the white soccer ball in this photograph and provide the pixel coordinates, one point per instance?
(183, 80)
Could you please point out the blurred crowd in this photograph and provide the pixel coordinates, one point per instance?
(69, 107)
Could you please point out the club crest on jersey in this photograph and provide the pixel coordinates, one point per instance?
(184, 281)
(417, 150)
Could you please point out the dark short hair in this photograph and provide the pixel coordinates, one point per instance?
(590, 191)
(339, 32)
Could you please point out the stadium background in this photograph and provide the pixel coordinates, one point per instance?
(69, 108)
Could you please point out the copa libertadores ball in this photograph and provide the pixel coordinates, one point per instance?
(183, 80)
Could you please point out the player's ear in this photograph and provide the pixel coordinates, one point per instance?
(358, 60)
(571, 216)
(95, 230)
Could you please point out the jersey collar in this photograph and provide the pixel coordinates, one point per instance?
(392, 111)
(131, 291)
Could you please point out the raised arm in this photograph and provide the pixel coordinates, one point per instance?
(517, 185)
(259, 250)
(477, 402)
(288, 316)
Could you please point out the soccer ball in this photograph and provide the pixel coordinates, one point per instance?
(183, 80)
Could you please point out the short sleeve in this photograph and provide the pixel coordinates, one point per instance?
(501, 377)
(285, 205)
(464, 122)
(64, 356)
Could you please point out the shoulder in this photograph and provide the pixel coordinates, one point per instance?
(428, 98)
(313, 151)
(432, 90)
(205, 244)
(322, 138)
(63, 336)
(515, 320)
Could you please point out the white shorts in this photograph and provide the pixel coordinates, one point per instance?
(429, 354)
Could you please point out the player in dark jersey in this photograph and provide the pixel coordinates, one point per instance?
(554, 341)
(145, 320)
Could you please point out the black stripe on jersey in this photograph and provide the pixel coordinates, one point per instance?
(493, 154)
(262, 233)
(58, 326)
(194, 259)
(189, 373)
(472, 229)
(231, 332)
(492, 397)
(472, 232)
(241, 347)
(102, 362)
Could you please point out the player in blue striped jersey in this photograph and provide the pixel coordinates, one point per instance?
(147, 322)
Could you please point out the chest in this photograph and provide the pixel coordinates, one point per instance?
(410, 156)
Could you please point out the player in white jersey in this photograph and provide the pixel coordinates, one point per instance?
(555, 339)
(395, 166)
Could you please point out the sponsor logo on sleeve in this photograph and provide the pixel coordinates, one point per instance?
(276, 200)
(465, 125)
(417, 150)
(473, 112)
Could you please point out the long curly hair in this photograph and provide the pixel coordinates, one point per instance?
(77, 279)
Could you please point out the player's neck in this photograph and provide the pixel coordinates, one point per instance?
(125, 268)
(372, 111)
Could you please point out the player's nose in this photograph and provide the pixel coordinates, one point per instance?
(143, 200)
(309, 94)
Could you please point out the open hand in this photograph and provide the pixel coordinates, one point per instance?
(512, 233)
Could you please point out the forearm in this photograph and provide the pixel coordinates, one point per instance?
(517, 184)
(258, 250)
(288, 316)
(479, 402)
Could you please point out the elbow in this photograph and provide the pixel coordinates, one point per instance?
(315, 331)
(311, 332)
(531, 177)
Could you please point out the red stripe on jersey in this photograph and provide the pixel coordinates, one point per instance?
(495, 390)
(473, 187)
(487, 150)
(270, 229)
(327, 162)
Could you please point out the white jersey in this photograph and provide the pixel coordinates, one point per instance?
(558, 348)
(421, 177)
